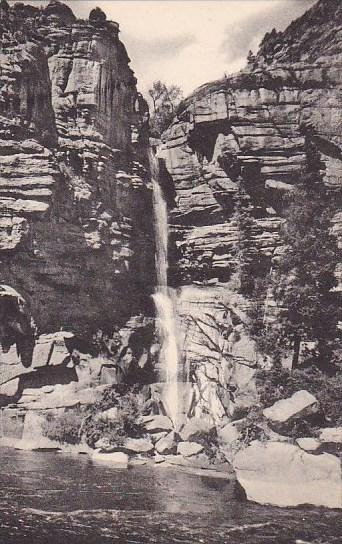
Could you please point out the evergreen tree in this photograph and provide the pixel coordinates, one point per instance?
(309, 309)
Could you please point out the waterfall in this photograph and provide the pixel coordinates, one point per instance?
(165, 308)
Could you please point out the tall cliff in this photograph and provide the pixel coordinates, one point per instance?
(255, 124)
(73, 170)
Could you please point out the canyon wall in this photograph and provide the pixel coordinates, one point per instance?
(255, 124)
(74, 171)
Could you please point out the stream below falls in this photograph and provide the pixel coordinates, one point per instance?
(56, 498)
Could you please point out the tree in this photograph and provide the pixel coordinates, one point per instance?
(245, 251)
(165, 100)
(304, 278)
(97, 16)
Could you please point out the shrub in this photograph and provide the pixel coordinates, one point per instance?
(279, 383)
(96, 425)
(253, 426)
(64, 428)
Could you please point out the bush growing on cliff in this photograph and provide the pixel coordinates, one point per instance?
(303, 278)
(279, 383)
(97, 425)
(65, 427)
(92, 423)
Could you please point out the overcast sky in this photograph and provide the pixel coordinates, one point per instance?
(190, 42)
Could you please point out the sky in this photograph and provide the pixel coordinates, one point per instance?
(190, 42)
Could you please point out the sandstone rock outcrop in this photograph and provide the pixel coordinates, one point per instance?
(284, 475)
(16, 325)
(285, 411)
(73, 170)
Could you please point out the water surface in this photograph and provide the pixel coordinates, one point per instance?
(55, 498)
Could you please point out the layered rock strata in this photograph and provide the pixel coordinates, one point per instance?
(73, 170)
(255, 124)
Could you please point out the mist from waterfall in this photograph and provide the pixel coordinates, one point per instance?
(165, 308)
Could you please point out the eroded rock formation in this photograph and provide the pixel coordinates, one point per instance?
(73, 170)
(16, 325)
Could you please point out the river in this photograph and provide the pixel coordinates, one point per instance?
(55, 498)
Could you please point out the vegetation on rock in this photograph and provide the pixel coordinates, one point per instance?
(303, 279)
(64, 427)
(93, 423)
(97, 425)
(165, 99)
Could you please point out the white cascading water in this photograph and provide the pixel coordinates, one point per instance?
(165, 311)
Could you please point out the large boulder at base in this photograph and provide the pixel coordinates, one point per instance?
(157, 424)
(138, 445)
(195, 429)
(187, 449)
(284, 411)
(284, 475)
(167, 445)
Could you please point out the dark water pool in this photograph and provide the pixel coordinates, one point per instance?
(53, 498)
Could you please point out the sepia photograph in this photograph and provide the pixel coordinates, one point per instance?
(171, 272)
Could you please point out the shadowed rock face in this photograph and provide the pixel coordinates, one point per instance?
(16, 325)
(75, 204)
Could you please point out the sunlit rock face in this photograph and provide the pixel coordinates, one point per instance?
(75, 206)
(256, 124)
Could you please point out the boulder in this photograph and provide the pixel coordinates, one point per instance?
(284, 411)
(230, 432)
(104, 446)
(167, 445)
(196, 461)
(157, 436)
(228, 438)
(157, 424)
(331, 439)
(118, 459)
(308, 444)
(138, 445)
(110, 415)
(51, 349)
(48, 389)
(284, 475)
(195, 429)
(187, 449)
(331, 435)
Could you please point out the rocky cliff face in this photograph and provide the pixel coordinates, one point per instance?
(73, 170)
(254, 124)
